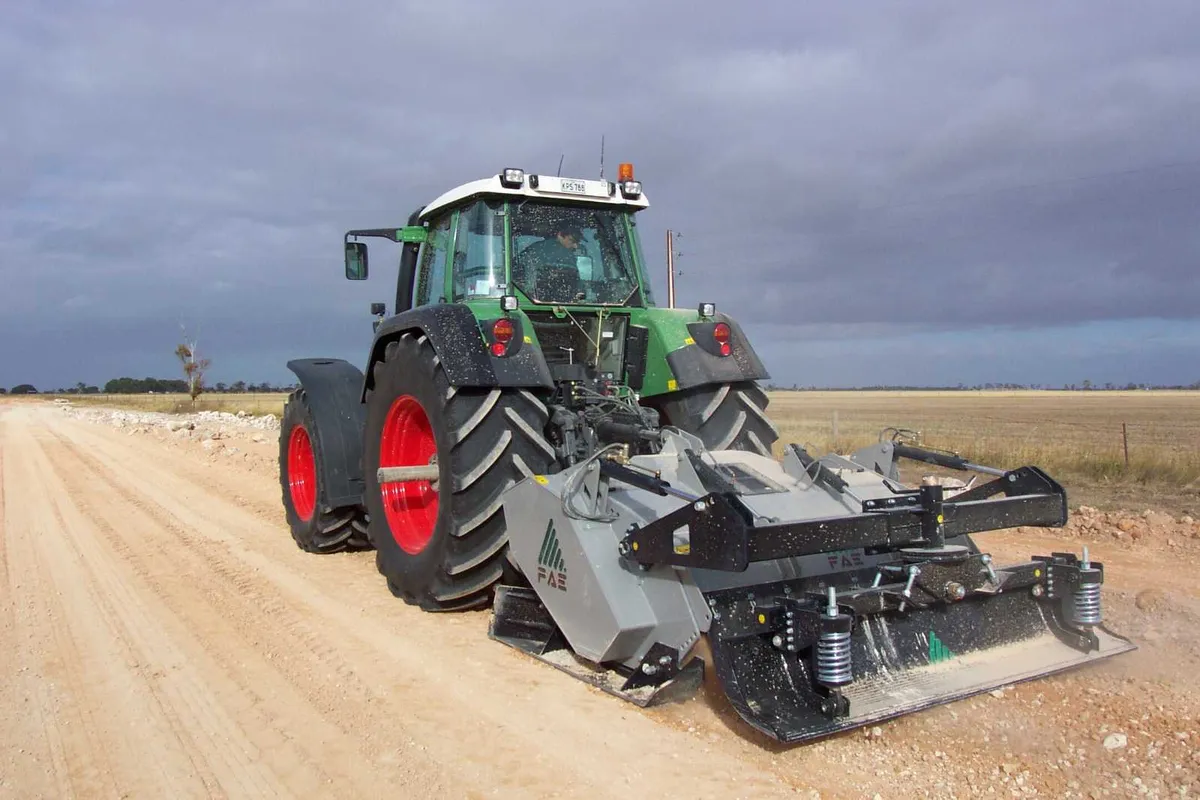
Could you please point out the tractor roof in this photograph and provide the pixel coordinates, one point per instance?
(515, 182)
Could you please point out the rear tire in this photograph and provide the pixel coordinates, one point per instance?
(444, 549)
(728, 416)
(315, 527)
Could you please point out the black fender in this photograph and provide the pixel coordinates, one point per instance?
(701, 363)
(456, 338)
(333, 387)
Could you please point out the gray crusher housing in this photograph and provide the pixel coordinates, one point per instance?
(832, 596)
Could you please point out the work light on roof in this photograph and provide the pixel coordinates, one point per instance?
(512, 178)
(629, 187)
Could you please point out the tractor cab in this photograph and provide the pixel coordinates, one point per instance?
(531, 240)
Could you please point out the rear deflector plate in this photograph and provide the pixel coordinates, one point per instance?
(902, 663)
(521, 621)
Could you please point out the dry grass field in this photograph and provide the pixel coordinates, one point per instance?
(1076, 436)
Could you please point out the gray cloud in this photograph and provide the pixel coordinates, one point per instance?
(933, 167)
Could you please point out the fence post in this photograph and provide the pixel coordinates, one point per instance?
(1125, 443)
(835, 425)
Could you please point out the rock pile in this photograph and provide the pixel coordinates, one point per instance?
(215, 436)
(1132, 527)
(205, 420)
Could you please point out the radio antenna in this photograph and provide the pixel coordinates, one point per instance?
(602, 156)
(560, 160)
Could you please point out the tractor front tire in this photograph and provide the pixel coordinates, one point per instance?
(316, 528)
(727, 416)
(443, 547)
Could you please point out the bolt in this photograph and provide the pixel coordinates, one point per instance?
(955, 591)
(664, 660)
(777, 640)
(1087, 562)
(1037, 590)
(699, 506)
(649, 669)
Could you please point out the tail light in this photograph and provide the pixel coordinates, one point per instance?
(721, 335)
(502, 333)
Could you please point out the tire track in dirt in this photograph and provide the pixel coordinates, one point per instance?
(492, 710)
(35, 745)
(489, 701)
(230, 630)
(155, 727)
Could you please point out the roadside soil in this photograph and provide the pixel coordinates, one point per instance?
(162, 636)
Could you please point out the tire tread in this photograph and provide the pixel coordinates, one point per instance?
(494, 441)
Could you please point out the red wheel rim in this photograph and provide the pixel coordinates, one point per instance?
(410, 507)
(302, 473)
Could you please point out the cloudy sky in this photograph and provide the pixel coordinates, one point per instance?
(916, 193)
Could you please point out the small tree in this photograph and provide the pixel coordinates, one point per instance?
(193, 368)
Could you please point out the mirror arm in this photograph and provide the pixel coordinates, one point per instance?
(411, 234)
(383, 233)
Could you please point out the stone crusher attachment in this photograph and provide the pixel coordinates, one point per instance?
(832, 596)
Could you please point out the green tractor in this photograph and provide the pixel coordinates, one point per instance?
(531, 433)
(518, 297)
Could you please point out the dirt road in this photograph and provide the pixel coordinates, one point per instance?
(162, 636)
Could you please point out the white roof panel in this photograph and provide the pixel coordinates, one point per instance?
(548, 187)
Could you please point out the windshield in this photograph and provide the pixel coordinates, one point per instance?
(572, 254)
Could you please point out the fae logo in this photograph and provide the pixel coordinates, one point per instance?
(845, 559)
(552, 570)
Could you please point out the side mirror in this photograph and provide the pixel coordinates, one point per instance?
(356, 261)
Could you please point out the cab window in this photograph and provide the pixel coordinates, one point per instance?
(479, 251)
(431, 275)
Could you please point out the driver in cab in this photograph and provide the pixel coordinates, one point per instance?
(550, 268)
(558, 251)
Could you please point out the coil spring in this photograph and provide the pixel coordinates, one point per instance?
(1087, 605)
(833, 658)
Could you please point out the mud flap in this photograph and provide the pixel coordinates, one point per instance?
(902, 662)
(520, 620)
